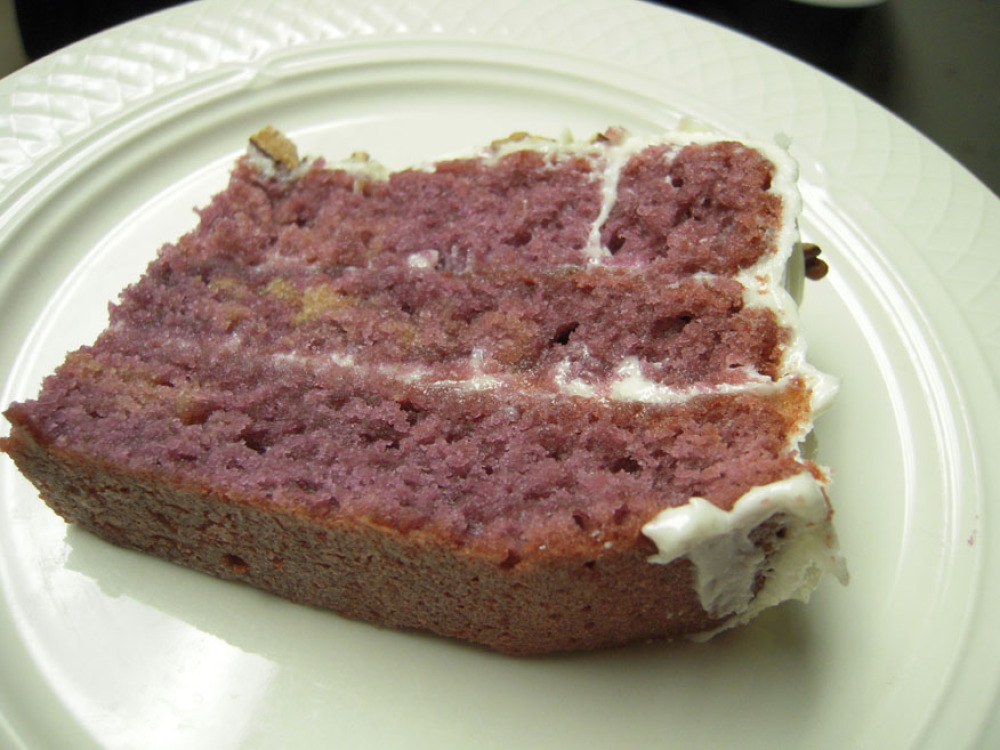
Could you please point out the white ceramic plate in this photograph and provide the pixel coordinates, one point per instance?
(106, 146)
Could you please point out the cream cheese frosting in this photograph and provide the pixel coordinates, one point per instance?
(729, 565)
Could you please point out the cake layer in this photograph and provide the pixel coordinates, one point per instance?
(526, 203)
(489, 468)
(435, 325)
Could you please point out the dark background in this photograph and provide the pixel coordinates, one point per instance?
(935, 63)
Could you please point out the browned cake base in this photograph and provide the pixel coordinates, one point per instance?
(567, 602)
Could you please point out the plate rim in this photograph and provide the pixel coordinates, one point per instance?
(15, 188)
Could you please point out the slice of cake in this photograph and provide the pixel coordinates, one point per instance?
(546, 397)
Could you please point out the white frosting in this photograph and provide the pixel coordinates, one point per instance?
(630, 384)
(616, 160)
(726, 561)
(423, 259)
(342, 360)
(572, 386)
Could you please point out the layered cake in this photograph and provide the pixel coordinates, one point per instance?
(549, 396)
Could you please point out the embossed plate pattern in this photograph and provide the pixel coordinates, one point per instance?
(107, 145)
